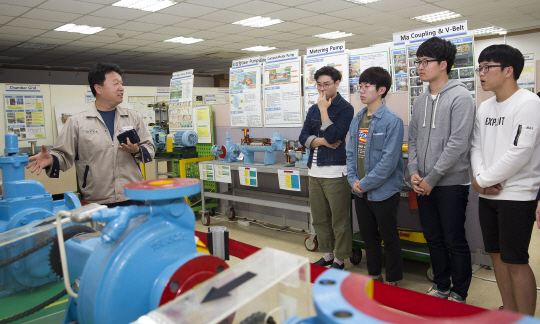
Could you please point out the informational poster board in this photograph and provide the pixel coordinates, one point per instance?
(364, 58)
(325, 55)
(527, 79)
(202, 124)
(289, 179)
(216, 99)
(463, 69)
(282, 90)
(140, 103)
(248, 176)
(180, 101)
(399, 69)
(245, 93)
(25, 116)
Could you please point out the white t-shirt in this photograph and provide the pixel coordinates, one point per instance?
(505, 147)
(327, 171)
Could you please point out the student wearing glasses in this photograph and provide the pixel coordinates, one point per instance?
(506, 167)
(324, 131)
(375, 173)
(440, 133)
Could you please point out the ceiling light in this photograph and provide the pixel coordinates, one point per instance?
(490, 31)
(334, 35)
(37, 45)
(146, 5)
(184, 40)
(81, 29)
(437, 16)
(258, 48)
(258, 22)
(363, 1)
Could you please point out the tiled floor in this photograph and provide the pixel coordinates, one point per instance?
(481, 293)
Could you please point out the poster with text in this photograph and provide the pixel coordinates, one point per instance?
(527, 78)
(248, 176)
(289, 179)
(399, 69)
(362, 59)
(203, 124)
(245, 96)
(462, 70)
(311, 65)
(180, 102)
(25, 116)
(140, 103)
(282, 96)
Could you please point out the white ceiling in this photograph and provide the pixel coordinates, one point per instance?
(134, 39)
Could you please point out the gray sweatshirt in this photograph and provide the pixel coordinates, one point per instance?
(440, 134)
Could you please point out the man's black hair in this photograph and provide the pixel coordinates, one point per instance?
(330, 71)
(98, 72)
(439, 49)
(505, 55)
(378, 77)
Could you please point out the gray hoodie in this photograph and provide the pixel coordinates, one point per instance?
(440, 134)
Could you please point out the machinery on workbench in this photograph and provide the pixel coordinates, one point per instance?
(24, 262)
(250, 145)
(146, 256)
(297, 152)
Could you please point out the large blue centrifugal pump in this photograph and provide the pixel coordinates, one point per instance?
(25, 201)
(146, 256)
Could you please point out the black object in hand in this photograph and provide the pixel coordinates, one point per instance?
(131, 134)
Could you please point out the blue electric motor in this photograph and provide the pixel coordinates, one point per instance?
(25, 201)
(185, 138)
(145, 257)
(159, 137)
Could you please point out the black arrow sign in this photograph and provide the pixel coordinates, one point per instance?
(217, 293)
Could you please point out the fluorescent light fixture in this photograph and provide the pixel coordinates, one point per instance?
(80, 29)
(258, 22)
(490, 31)
(258, 48)
(146, 5)
(184, 40)
(437, 16)
(334, 35)
(363, 1)
(37, 45)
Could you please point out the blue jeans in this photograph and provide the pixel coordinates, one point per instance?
(442, 215)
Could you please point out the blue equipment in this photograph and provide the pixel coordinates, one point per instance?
(276, 144)
(159, 137)
(229, 153)
(146, 256)
(25, 201)
(185, 138)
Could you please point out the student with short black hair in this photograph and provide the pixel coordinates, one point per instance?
(375, 173)
(505, 159)
(440, 132)
(324, 131)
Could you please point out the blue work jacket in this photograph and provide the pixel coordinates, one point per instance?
(383, 158)
(335, 128)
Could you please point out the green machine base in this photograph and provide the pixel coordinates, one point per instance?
(178, 153)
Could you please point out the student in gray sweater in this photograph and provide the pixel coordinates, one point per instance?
(440, 133)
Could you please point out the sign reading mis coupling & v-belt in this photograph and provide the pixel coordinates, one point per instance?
(245, 93)
(282, 98)
(325, 55)
(24, 116)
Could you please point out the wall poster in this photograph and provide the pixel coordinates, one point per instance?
(245, 93)
(282, 95)
(180, 104)
(25, 116)
(364, 58)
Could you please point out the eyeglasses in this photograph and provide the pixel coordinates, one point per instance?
(324, 86)
(423, 62)
(365, 87)
(485, 68)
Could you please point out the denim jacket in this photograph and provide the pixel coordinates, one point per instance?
(384, 160)
(334, 129)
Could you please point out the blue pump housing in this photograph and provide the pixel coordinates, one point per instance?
(159, 137)
(25, 201)
(124, 273)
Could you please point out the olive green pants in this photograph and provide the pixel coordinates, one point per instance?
(330, 200)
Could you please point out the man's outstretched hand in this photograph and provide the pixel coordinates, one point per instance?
(41, 160)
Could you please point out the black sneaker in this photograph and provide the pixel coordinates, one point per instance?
(323, 262)
(336, 265)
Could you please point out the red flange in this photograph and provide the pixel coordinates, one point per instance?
(190, 274)
(222, 155)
